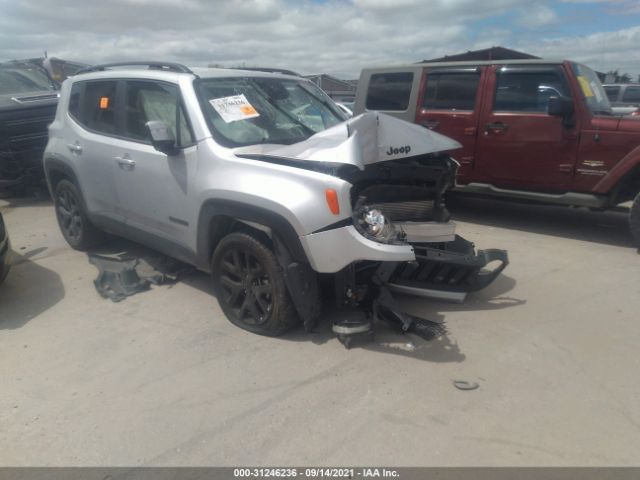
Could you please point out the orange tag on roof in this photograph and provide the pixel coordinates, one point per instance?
(104, 103)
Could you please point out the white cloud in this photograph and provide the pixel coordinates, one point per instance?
(537, 15)
(602, 51)
(339, 36)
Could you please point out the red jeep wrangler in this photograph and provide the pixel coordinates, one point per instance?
(533, 129)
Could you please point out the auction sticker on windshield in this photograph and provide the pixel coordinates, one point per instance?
(234, 108)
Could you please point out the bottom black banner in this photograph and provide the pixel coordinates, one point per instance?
(398, 473)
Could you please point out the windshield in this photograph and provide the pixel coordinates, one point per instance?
(594, 94)
(17, 78)
(245, 111)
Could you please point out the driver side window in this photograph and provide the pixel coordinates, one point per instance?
(146, 101)
(524, 90)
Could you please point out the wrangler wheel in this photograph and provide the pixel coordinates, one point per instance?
(634, 220)
(74, 224)
(250, 286)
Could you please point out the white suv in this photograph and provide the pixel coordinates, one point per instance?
(259, 179)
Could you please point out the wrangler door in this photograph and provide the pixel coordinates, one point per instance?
(449, 105)
(520, 145)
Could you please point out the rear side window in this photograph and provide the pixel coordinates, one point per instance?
(74, 100)
(631, 94)
(612, 93)
(451, 91)
(528, 90)
(389, 91)
(148, 100)
(99, 106)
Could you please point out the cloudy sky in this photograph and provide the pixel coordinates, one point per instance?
(312, 36)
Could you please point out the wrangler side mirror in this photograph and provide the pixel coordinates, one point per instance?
(560, 106)
(162, 137)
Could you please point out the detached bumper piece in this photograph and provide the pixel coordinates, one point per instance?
(447, 271)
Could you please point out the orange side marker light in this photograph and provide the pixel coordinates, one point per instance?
(332, 200)
(104, 103)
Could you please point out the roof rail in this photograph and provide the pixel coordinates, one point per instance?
(268, 70)
(168, 66)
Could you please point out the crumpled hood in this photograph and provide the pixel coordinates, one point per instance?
(370, 137)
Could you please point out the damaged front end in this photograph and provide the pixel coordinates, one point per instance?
(398, 236)
(401, 203)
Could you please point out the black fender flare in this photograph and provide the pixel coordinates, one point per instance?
(53, 166)
(213, 208)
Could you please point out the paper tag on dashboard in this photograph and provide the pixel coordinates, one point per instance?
(234, 108)
(586, 88)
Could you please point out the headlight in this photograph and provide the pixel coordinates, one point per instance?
(373, 223)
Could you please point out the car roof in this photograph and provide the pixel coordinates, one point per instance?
(173, 76)
(470, 63)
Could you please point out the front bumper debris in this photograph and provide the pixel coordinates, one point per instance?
(447, 271)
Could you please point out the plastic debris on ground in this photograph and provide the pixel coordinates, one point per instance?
(119, 278)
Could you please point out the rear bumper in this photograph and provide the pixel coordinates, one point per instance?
(448, 271)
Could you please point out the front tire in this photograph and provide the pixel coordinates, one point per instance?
(74, 224)
(634, 220)
(250, 286)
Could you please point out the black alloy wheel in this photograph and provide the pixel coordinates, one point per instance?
(69, 215)
(247, 287)
(250, 286)
(74, 224)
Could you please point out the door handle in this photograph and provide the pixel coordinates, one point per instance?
(496, 127)
(125, 163)
(74, 148)
(431, 124)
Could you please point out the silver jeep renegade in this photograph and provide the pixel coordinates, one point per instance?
(260, 179)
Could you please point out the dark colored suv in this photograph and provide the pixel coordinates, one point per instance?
(28, 99)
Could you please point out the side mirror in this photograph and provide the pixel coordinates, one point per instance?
(162, 137)
(560, 106)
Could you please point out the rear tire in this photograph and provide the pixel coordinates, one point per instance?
(250, 286)
(634, 220)
(73, 221)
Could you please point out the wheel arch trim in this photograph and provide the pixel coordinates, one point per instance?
(248, 214)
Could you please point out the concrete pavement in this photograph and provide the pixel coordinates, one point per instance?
(162, 378)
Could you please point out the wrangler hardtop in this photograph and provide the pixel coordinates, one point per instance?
(540, 129)
(258, 178)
